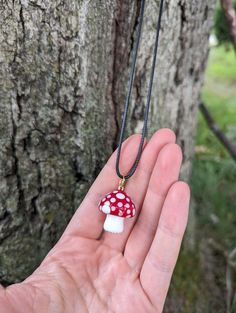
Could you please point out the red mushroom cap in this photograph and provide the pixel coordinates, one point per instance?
(117, 203)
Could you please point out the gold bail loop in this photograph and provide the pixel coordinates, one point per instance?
(122, 184)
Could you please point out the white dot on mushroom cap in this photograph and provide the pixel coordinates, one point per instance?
(128, 211)
(120, 204)
(113, 208)
(120, 213)
(113, 200)
(115, 191)
(128, 216)
(127, 205)
(106, 209)
(133, 211)
(107, 203)
(127, 199)
(120, 196)
(109, 196)
(104, 199)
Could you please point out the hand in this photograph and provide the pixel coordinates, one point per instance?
(94, 271)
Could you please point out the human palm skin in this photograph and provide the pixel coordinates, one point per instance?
(93, 271)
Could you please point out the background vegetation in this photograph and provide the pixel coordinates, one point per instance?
(196, 287)
(221, 26)
(214, 171)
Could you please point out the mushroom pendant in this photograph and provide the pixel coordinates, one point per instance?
(118, 206)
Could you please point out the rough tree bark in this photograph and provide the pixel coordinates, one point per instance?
(63, 74)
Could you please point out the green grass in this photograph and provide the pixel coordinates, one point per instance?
(222, 65)
(214, 172)
(186, 282)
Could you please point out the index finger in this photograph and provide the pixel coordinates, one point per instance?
(88, 220)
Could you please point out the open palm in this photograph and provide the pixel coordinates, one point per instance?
(94, 271)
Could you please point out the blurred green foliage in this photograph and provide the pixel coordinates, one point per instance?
(214, 171)
(222, 31)
(219, 94)
(213, 185)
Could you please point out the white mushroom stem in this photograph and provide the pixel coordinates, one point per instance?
(114, 224)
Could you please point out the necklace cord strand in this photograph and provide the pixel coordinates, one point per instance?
(130, 85)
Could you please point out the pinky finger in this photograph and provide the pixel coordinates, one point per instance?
(161, 259)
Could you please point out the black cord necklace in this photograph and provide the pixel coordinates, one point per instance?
(117, 205)
(130, 85)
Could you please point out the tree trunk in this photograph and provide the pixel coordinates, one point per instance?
(63, 78)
